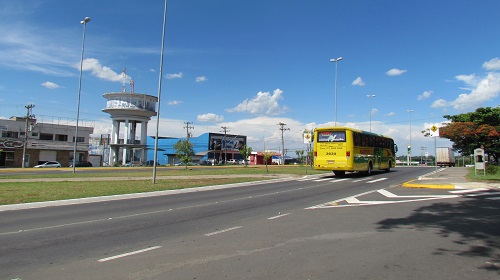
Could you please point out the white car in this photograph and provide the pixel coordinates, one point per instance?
(48, 164)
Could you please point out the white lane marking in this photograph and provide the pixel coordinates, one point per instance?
(391, 195)
(481, 194)
(364, 179)
(366, 203)
(339, 180)
(493, 198)
(222, 231)
(129, 254)
(469, 190)
(354, 201)
(279, 216)
(378, 180)
(324, 179)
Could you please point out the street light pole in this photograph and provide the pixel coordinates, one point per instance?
(84, 22)
(409, 147)
(370, 96)
(159, 88)
(336, 60)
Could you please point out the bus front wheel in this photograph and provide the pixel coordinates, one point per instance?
(388, 169)
(339, 173)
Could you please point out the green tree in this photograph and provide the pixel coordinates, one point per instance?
(266, 156)
(184, 151)
(245, 153)
(300, 155)
(474, 130)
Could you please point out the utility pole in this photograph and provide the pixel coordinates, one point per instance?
(28, 117)
(226, 130)
(187, 127)
(282, 128)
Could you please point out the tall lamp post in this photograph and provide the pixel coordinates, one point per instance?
(162, 53)
(336, 60)
(84, 22)
(370, 96)
(409, 146)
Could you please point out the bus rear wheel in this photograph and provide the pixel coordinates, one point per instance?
(370, 169)
(339, 173)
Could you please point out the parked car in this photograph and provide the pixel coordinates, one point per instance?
(81, 164)
(48, 164)
(231, 161)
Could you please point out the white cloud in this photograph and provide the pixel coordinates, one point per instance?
(426, 94)
(439, 103)
(210, 118)
(395, 72)
(174, 102)
(468, 79)
(487, 89)
(263, 103)
(391, 114)
(201, 79)
(175, 76)
(50, 85)
(493, 64)
(103, 72)
(358, 82)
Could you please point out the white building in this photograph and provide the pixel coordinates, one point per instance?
(44, 142)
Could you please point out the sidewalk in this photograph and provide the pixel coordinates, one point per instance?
(448, 178)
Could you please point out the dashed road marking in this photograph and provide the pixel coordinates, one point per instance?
(129, 254)
(222, 231)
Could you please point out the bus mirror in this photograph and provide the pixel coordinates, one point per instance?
(395, 148)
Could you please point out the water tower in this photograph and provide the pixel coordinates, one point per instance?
(128, 110)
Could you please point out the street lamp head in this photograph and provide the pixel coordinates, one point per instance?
(370, 95)
(336, 59)
(87, 19)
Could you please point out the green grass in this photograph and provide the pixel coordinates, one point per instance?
(492, 174)
(162, 171)
(14, 193)
(22, 192)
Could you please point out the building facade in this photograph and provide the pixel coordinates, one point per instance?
(40, 142)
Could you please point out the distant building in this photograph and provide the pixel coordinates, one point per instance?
(208, 148)
(44, 142)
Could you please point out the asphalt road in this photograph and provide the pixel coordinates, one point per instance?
(312, 228)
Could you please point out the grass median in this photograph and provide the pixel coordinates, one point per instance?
(48, 186)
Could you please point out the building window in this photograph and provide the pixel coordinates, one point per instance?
(10, 134)
(79, 139)
(9, 156)
(46, 136)
(34, 134)
(60, 137)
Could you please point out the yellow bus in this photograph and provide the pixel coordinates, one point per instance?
(342, 149)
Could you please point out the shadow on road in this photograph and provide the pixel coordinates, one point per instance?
(475, 220)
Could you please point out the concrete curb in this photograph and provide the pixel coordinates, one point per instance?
(409, 184)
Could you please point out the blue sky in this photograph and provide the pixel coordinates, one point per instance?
(248, 65)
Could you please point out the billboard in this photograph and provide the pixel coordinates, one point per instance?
(221, 142)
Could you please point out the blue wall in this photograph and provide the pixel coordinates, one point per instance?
(166, 146)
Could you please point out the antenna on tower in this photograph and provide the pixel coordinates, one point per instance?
(131, 85)
(124, 80)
